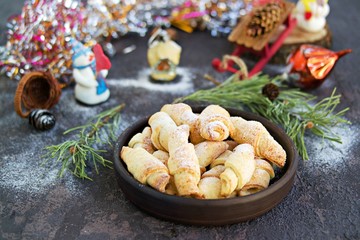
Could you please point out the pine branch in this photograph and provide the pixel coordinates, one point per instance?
(76, 154)
(292, 109)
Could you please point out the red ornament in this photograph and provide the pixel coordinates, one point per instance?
(311, 64)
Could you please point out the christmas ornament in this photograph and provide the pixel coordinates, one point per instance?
(310, 65)
(163, 56)
(89, 71)
(42, 119)
(36, 90)
(311, 14)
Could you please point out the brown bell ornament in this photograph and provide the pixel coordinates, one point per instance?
(36, 90)
(310, 65)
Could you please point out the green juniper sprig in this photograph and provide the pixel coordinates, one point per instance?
(74, 155)
(292, 109)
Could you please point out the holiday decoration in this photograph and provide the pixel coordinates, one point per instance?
(310, 65)
(38, 39)
(89, 71)
(163, 56)
(111, 19)
(36, 90)
(222, 16)
(291, 108)
(311, 29)
(108, 19)
(264, 20)
(311, 14)
(217, 16)
(255, 30)
(42, 119)
(75, 155)
(187, 17)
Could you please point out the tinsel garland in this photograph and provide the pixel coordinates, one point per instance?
(38, 39)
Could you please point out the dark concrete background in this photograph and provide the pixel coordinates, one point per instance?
(34, 204)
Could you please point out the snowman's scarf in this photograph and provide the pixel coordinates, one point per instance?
(101, 88)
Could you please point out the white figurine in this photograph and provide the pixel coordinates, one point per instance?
(311, 14)
(89, 72)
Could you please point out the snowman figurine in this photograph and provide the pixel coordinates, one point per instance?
(311, 14)
(89, 71)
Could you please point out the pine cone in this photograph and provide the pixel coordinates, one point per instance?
(264, 19)
(271, 91)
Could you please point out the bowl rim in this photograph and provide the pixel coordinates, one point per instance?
(291, 166)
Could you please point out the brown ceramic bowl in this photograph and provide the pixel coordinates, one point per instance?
(214, 211)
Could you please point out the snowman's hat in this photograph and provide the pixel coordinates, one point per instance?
(78, 48)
